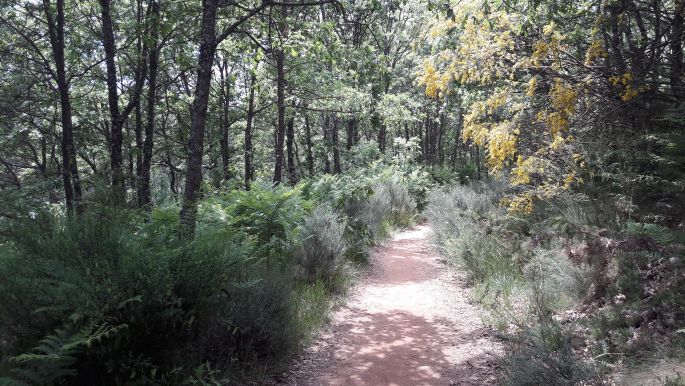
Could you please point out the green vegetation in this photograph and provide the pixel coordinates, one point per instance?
(186, 186)
(572, 298)
(116, 296)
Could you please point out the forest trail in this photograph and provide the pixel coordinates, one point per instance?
(408, 322)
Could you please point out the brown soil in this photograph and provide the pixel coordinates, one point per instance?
(408, 322)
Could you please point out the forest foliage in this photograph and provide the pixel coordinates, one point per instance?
(576, 243)
(185, 186)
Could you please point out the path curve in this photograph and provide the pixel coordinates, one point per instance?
(408, 322)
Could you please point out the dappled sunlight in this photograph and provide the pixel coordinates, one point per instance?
(394, 347)
(409, 323)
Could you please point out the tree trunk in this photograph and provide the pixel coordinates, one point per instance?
(290, 148)
(477, 157)
(381, 137)
(337, 167)
(308, 140)
(70, 175)
(351, 133)
(248, 134)
(144, 195)
(327, 143)
(117, 117)
(280, 102)
(427, 139)
(441, 130)
(116, 123)
(676, 47)
(225, 124)
(138, 114)
(198, 118)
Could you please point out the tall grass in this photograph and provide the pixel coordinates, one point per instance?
(520, 278)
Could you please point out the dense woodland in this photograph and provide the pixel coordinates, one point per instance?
(186, 186)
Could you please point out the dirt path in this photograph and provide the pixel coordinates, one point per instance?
(407, 323)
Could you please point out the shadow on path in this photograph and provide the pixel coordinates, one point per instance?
(408, 324)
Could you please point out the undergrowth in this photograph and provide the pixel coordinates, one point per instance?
(115, 296)
(575, 297)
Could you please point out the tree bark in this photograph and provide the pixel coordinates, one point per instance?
(144, 195)
(225, 124)
(308, 140)
(70, 174)
(337, 166)
(441, 130)
(117, 117)
(327, 142)
(676, 47)
(381, 137)
(280, 102)
(351, 133)
(290, 149)
(198, 118)
(282, 27)
(248, 134)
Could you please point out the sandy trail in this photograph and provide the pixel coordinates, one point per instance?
(408, 322)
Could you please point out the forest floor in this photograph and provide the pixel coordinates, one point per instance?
(407, 322)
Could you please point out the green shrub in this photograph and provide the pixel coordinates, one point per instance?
(391, 204)
(544, 356)
(562, 282)
(323, 246)
(348, 195)
(104, 300)
(269, 214)
(469, 228)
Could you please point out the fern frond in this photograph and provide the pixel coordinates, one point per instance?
(51, 360)
(660, 234)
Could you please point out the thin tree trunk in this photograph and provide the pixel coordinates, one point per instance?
(70, 174)
(441, 129)
(139, 148)
(308, 140)
(282, 27)
(425, 137)
(327, 143)
(477, 157)
(117, 117)
(198, 118)
(280, 127)
(676, 47)
(290, 149)
(248, 134)
(225, 124)
(144, 195)
(138, 111)
(351, 133)
(381, 137)
(337, 166)
(116, 123)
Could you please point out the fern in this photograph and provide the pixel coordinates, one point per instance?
(52, 359)
(11, 382)
(661, 235)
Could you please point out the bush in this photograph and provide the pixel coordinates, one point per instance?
(544, 356)
(390, 205)
(523, 274)
(348, 196)
(105, 300)
(322, 246)
(271, 215)
(471, 230)
(560, 281)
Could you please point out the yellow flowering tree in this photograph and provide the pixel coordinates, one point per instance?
(525, 94)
